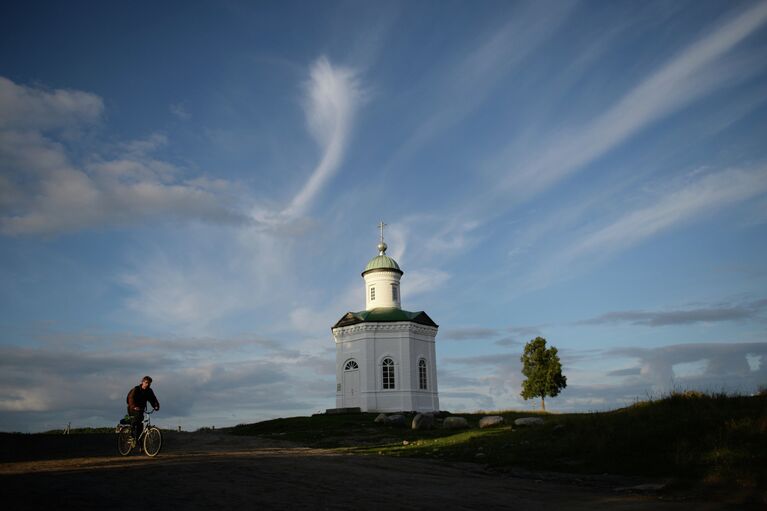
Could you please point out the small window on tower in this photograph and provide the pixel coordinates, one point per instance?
(394, 292)
(372, 293)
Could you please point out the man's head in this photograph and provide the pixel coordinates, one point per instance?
(146, 381)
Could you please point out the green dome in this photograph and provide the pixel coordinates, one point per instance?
(382, 262)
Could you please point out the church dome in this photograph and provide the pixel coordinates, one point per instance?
(382, 262)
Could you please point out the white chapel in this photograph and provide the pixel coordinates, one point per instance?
(385, 356)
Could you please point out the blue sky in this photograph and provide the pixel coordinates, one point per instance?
(192, 191)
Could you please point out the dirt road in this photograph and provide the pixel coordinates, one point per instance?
(219, 471)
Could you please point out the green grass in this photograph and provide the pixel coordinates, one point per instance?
(713, 438)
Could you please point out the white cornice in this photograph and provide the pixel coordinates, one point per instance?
(395, 326)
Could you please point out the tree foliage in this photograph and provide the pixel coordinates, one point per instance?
(543, 371)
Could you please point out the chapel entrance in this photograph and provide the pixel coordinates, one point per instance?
(351, 385)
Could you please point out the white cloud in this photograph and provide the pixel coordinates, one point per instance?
(439, 237)
(333, 97)
(718, 366)
(40, 109)
(181, 111)
(45, 191)
(420, 281)
(708, 367)
(203, 274)
(198, 381)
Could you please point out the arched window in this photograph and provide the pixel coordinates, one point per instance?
(388, 373)
(422, 374)
(351, 366)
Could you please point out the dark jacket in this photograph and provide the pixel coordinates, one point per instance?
(138, 397)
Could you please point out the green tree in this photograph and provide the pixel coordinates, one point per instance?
(542, 370)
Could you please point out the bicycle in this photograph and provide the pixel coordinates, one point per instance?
(150, 438)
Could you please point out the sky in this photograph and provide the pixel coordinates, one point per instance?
(191, 190)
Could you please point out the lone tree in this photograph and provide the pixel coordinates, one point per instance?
(543, 370)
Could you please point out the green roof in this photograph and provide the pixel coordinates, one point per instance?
(382, 262)
(384, 315)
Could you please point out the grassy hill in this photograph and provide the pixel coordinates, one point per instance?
(717, 439)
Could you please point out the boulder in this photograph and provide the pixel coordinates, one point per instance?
(490, 421)
(529, 421)
(455, 423)
(396, 420)
(380, 419)
(423, 421)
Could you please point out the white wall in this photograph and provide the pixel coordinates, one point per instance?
(405, 343)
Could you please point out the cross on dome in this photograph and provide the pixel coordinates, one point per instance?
(382, 246)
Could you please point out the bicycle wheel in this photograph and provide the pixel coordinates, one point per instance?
(124, 440)
(152, 441)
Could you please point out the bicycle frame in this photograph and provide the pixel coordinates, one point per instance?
(130, 441)
(146, 422)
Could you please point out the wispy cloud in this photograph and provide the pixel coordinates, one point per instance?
(333, 96)
(468, 333)
(466, 83)
(180, 111)
(726, 312)
(629, 371)
(500, 336)
(188, 283)
(699, 197)
(485, 360)
(688, 76)
(548, 152)
(424, 281)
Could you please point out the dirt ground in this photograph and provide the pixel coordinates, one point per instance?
(219, 471)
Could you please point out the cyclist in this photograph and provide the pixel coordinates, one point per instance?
(137, 400)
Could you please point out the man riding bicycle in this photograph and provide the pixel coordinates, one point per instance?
(137, 400)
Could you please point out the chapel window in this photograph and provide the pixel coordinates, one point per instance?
(372, 293)
(394, 292)
(422, 374)
(351, 366)
(388, 373)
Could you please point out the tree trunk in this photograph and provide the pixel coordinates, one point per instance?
(543, 404)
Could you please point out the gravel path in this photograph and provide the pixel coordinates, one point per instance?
(217, 471)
